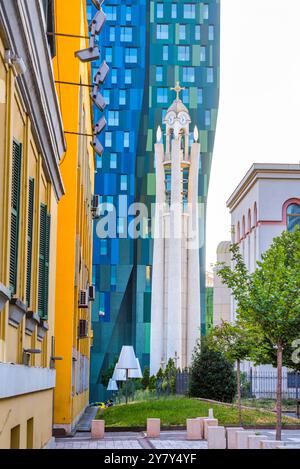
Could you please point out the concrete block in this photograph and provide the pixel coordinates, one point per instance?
(231, 436)
(270, 444)
(254, 441)
(201, 424)
(216, 437)
(153, 428)
(98, 429)
(242, 439)
(209, 423)
(288, 447)
(193, 428)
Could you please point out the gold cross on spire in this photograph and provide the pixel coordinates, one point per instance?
(178, 89)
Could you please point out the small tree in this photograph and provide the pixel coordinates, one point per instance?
(236, 343)
(211, 375)
(269, 300)
(170, 376)
(146, 378)
(107, 374)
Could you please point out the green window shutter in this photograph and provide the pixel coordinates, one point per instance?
(44, 255)
(15, 214)
(29, 240)
(47, 259)
(41, 293)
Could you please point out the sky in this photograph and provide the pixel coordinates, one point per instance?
(259, 113)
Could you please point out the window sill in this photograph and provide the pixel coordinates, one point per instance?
(43, 328)
(32, 319)
(17, 310)
(5, 296)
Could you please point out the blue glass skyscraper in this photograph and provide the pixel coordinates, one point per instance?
(149, 46)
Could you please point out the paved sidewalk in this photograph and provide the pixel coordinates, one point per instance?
(85, 423)
(130, 440)
(169, 440)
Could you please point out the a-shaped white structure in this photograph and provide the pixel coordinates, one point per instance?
(175, 309)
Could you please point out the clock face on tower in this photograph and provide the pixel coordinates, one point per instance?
(171, 119)
(183, 119)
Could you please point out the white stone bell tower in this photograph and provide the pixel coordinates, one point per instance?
(175, 307)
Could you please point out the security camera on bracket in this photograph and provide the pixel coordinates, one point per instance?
(101, 74)
(98, 99)
(100, 126)
(92, 52)
(97, 146)
(98, 3)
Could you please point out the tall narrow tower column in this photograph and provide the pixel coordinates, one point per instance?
(174, 326)
(175, 306)
(157, 323)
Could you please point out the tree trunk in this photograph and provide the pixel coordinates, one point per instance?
(238, 374)
(279, 393)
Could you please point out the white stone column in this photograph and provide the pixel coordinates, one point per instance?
(193, 293)
(157, 298)
(174, 338)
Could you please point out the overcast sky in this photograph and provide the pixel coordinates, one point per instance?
(259, 113)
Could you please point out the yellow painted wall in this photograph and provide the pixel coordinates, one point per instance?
(15, 124)
(74, 213)
(19, 410)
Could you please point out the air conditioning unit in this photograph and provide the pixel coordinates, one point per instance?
(96, 207)
(83, 299)
(92, 293)
(83, 329)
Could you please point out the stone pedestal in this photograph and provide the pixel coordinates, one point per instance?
(193, 428)
(231, 436)
(270, 444)
(98, 429)
(288, 447)
(254, 441)
(209, 423)
(242, 439)
(201, 425)
(153, 428)
(216, 437)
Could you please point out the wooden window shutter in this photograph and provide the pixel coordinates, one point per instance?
(15, 214)
(29, 240)
(47, 260)
(44, 257)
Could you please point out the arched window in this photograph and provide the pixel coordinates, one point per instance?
(255, 215)
(243, 227)
(293, 216)
(238, 233)
(249, 221)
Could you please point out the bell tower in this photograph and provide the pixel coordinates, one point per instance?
(175, 307)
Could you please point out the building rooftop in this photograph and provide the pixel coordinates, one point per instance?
(262, 171)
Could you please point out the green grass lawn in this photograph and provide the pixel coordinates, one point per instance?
(175, 411)
(270, 404)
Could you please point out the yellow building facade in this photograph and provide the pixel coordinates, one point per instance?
(75, 225)
(31, 145)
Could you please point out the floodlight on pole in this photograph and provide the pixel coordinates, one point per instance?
(127, 362)
(119, 374)
(127, 358)
(112, 385)
(137, 373)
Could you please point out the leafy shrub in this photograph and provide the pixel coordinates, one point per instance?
(212, 376)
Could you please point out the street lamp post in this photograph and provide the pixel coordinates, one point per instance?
(127, 367)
